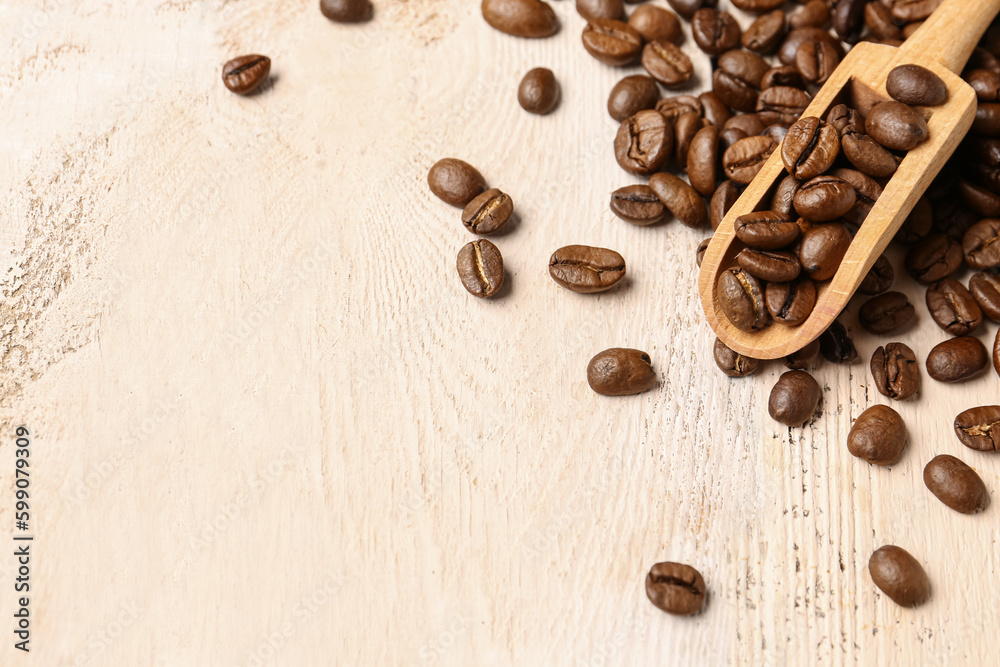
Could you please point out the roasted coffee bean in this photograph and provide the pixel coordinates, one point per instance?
(725, 196)
(685, 128)
(771, 265)
(848, 18)
(732, 363)
(916, 86)
(952, 218)
(879, 21)
(908, 11)
(729, 137)
(810, 148)
(816, 61)
(713, 109)
(736, 79)
(742, 300)
(791, 303)
(979, 199)
(867, 154)
(784, 195)
(638, 204)
(585, 269)
(455, 182)
(600, 9)
(656, 24)
(676, 588)
(480, 266)
(896, 126)
(895, 371)
(346, 11)
(814, 14)
(776, 132)
(521, 18)
(899, 575)
(687, 8)
(700, 251)
(996, 353)
(957, 359)
(681, 199)
(981, 244)
(666, 63)
(987, 119)
(621, 372)
(985, 83)
(746, 157)
(766, 230)
(985, 287)
(804, 358)
(917, 224)
(822, 248)
(933, 258)
(539, 91)
(794, 398)
(764, 34)
(614, 43)
(715, 32)
(673, 108)
(782, 104)
(631, 95)
(886, 313)
(956, 484)
(879, 278)
(841, 116)
(488, 212)
(866, 192)
(245, 74)
(749, 123)
(824, 198)
(782, 76)
(979, 428)
(878, 436)
(953, 307)
(702, 160)
(644, 142)
(757, 6)
(794, 39)
(836, 345)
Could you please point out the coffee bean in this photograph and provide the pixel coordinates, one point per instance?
(794, 398)
(757, 6)
(637, 204)
(836, 345)
(886, 313)
(987, 119)
(908, 11)
(782, 104)
(729, 137)
(682, 200)
(784, 75)
(841, 116)
(816, 61)
(804, 358)
(245, 74)
(631, 95)
(644, 142)
(848, 19)
(666, 63)
(895, 371)
(917, 224)
(916, 85)
(822, 249)
(539, 91)
(810, 148)
(879, 21)
(879, 278)
(600, 9)
(956, 484)
(732, 363)
(957, 359)
(981, 244)
(867, 154)
(979, 199)
(621, 371)
(687, 8)
(933, 258)
(742, 300)
(784, 195)
(746, 157)
(673, 108)
(715, 32)
(766, 230)
(702, 160)
(770, 265)
(878, 436)
(985, 287)
(749, 123)
(686, 127)
(985, 83)
(979, 428)
(586, 270)
(866, 191)
(899, 575)
(455, 182)
(346, 11)
(725, 196)
(714, 109)
(896, 126)
(777, 133)
(701, 250)
(814, 14)
(675, 588)
(488, 212)
(656, 24)
(953, 307)
(614, 43)
(521, 18)
(794, 39)
(736, 79)
(480, 266)
(765, 33)
(791, 303)
(824, 198)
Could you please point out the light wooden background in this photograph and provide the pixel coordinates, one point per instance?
(271, 428)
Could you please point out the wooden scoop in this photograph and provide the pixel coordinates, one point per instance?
(943, 45)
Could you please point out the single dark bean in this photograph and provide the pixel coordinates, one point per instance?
(666, 63)
(981, 244)
(644, 142)
(539, 91)
(822, 249)
(866, 192)
(878, 436)
(916, 86)
(895, 371)
(682, 200)
(784, 195)
(631, 95)
(637, 204)
(848, 19)
(804, 358)
(896, 126)
(746, 157)
(933, 258)
(771, 265)
(899, 575)
(816, 61)
(725, 196)
(791, 303)
(867, 154)
(879, 21)
(953, 307)
(810, 148)
(245, 74)
(909, 11)
(488, 212)
(814, 14)
(841, 116)
(455, 182)
(765, 33)
(957, 359)
(676, 588)
(794, 398)
(585, 269)
(766, 230)
(621, 372)
(782, 104)
(742, 300)
(715, 32)
(703, 159)
(701, 250)
(521, 18)
(614, 43)
(979, 428)
(346, 11)
(979, 199)
(987, 119)
(600, 9)
(733, 363)
(985, 287)
(879, 278)
(956, 484)
(886, 313)
(749, 123)
(785, 75)
(985, 83)
(480, 266)
(729, 137)
(824, 198)
(685, 129)
(656, 24)
(736, 79)
(836, 345)
(714, 109)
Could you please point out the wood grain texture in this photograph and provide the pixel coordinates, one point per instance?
(271, 428)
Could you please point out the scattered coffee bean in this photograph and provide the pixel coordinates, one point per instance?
(621, 372)
(981, 244)
(676, 588)
(637, 204)
(346, 11)
(791, 303)
(953, 307)
(784, 75)
(866, 154)
(782, 104)
(488, 212)
(614, 43)
(824, 198)
(733, 363)
(702, 160)
(480, 266)
(701, 249)
(896, 126)
(674, 107)
(886, 313)
(765, 34)
(644, 142)
(899, 575)
(790, 46)
(804, 358)
(714, 31)
(866, 191)
(813, 14)
(684, 130)
(979, 428)
(766, 230)
(584, 269)
(934, 257)
(810, 148)
(985, 287)
(879, 278)
(956, 484)
(836, 345)
(666, 63)
(771, 265)
(245, 74)
(714, 109)
(736, 79)
(655, 24)
(816, 60)
(895, 371)
(794, 398)
(742, 300)
(455, 182)
(681, 199)
(521, 18)
(725, 196)
(746, 157)
(784, 196)
(539, 91)
(957, 359)
(600, 9)
(631, 95)
(878, 436)
(916, 86)
(823, 248)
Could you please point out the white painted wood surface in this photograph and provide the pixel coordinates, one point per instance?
(270, 427)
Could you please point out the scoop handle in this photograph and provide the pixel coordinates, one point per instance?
(951, 33)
